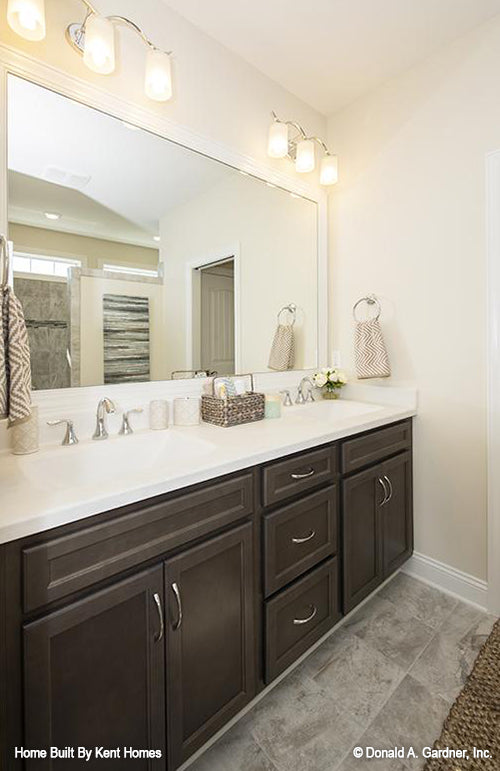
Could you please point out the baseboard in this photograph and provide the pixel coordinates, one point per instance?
(448, 579)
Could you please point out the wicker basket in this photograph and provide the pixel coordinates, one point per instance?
(234, 410)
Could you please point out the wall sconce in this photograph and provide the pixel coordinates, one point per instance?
(94, 39)
(288, 139)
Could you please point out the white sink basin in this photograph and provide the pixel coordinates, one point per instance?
(93, 463)
(326, 411)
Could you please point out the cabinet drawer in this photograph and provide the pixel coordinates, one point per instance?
(299, 536)
(365, 450)
(299, 616)
(300, 473)
(75, 561)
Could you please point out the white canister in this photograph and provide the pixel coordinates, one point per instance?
(158, 414)
(25, 435)
(187, 411)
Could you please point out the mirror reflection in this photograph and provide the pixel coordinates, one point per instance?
(137, 259)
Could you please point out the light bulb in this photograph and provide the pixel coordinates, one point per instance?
(27, 18)
(99, 50)
(329, 173)
(158, 80)
(277, 146)
(304, 160)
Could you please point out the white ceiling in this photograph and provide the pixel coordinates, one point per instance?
(119, 182)
(330, 52)
(29, 198)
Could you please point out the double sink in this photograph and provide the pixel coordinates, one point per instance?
(148, 454)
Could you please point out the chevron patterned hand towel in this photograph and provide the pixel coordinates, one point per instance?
(370, 353)
(15, 368)
(282, 354)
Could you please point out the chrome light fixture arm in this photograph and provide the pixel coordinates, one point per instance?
(75, 31)
(284, 144)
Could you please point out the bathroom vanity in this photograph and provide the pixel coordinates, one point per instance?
(152, 624)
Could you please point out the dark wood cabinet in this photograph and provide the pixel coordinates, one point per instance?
(397, 513)
(362, 496)
(299, 536)
(94, 674)
(210, 639)
(300, 615)
(152, 625)
(377, 526)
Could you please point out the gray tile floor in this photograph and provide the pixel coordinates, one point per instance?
(386, 678)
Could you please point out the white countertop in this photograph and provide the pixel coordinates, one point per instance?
(59, 485)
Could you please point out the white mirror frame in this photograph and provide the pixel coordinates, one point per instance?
(13, 62)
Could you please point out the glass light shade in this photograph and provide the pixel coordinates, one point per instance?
(329, 172)
(27, 18)
(158, 80)
(304, 160)
(99, 51)
(277, 146)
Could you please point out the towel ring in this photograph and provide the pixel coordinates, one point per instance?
(370, 299)
(290, 308)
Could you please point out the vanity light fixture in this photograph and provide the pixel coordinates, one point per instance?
(288, 139)
(94, 39)
(27, 18)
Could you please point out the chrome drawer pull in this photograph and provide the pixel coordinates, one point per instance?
(391, 490)
(157, 600)
(305, 539)
(177, 594)
(386, 491)
(299, 621)
(303, 476)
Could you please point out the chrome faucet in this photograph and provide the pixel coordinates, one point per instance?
(105, 406)
(301, 399)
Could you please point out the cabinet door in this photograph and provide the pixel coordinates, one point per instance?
(362, 556)
(397, 513)
(210, 639)
(94, 674)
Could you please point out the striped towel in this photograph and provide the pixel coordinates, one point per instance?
(282, 354)
(370, 353)
(15, 369)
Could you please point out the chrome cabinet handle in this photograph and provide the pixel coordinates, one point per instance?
(391, 490)
(177, 594)
(157, 600)
(386, 491)
(303, 476)
(299, 621)
(305, 539)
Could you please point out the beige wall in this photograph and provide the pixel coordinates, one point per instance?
(91, 250)
(408, 223)
(276, 237)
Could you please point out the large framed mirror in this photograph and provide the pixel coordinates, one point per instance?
(138, 259)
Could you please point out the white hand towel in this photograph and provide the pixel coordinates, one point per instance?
(370, 353)
(15, 367)
(282, 354)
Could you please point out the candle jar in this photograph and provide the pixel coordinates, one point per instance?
(158, 414)
(273, 406)
(187, 411)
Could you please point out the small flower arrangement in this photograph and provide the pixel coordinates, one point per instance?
(331, 380)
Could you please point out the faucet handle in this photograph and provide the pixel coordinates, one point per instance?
(126, 428)
(310, 395)
(70, 437)
(300, 397)
(287, 401)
